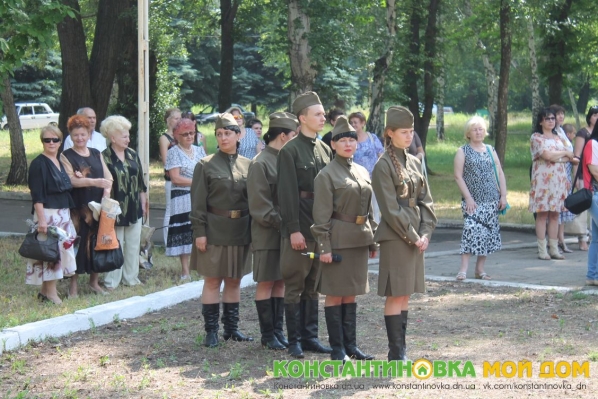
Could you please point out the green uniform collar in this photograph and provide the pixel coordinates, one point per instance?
(308, 139)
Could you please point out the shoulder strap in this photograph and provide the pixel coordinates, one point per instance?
(493, 164)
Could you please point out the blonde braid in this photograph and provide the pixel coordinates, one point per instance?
(396, 163)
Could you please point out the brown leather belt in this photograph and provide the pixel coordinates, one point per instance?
(234, 214)
(407, 202)
(349, 218)
(306, 195)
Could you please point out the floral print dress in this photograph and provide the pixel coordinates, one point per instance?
(550, 185)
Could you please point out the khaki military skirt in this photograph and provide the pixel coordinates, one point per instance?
(266, 265)
(232, 261)
(401, 269)
(345, 278)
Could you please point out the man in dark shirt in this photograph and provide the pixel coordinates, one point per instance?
(299, 161)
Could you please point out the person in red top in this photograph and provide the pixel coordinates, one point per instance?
(590, 181)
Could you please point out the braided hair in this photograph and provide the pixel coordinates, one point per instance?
(395, 162)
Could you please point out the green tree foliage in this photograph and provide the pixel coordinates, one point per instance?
(38, 79)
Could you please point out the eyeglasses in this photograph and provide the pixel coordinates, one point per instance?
(237, 117)
(187, 134)
(51, 140)
(550, 118)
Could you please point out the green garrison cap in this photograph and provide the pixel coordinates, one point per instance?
(284, 120)
(342, 125)
(224, 120)
(305, 100)
(398, 117)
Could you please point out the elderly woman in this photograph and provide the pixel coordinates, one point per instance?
(91, 181)
(221, 230)
(180, 163)
(484, 192)
(200, 139)
(249, 145)
(129, 189)
(407, 223)
(550, 185)
(172, 116)
(581, 138)
(265, 230)
(50, 189)
(343, 225)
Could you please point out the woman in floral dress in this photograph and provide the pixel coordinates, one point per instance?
(550, 185)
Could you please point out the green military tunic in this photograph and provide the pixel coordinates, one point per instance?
(220, 185)
(407, 215)
(265, 216)
(299, 161)
(344, 187)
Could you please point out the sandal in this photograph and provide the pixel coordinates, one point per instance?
(461, 276)
(483, 276)
(583, 245)
(563, 247)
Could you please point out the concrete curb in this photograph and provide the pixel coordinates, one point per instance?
(86, 319)
(13, 195)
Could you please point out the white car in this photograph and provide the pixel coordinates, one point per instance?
(33, 116)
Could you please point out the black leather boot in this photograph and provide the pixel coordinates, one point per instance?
(230, 321)
(350, 333)
(264, 315)
(278, 319)
(334, 323)
(210, 314)
(404, 314)
(292, 314)
(394, 331)
(309, 331)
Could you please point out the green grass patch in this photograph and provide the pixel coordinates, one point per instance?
(19, 301)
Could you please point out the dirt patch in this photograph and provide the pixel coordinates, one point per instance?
(161, 355)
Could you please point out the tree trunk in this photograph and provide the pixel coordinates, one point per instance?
(440, 103)
(412, 63)
(575, 111)
(228, 12)
(18, 160)
(535, 80)
(302, 72)
(376, 121)
(503, 83)
(555, 45)
(584, 95)
(107, 50)
(490, 73)
(430, 38)
(76, 87)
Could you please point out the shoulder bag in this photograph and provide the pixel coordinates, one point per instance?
(104, 261)
(579, 201)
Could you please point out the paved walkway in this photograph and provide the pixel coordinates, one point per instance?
(517, 265)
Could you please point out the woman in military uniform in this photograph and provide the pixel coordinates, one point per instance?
(344, 225)
(265, 230)
(221, 231)
(405, 228)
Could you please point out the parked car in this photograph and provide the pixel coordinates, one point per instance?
(33, 116)
(209, 114)
(447, 110)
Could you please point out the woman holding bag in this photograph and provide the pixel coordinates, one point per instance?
(483, 187)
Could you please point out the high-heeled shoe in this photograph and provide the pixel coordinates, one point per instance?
(42, 298)
(563, 248)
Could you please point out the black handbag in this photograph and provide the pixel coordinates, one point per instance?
(579, 201)
(107, 260)
(46, 251)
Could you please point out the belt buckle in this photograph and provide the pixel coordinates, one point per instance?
(411, 202)
(236, 214)
(361, 219)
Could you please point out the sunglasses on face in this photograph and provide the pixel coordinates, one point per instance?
(237, 117)
(550, 118)
(187, 134)
(51, 140)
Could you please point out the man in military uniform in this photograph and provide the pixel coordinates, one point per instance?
(299, 161)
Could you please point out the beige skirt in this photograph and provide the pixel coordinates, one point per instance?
(345, 278)
(231, 261)
(401, 271)
(266, 265)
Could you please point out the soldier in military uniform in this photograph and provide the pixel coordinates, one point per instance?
(221, 230)
(299, 162)
(265, 230)
(344, 225)
(407, 223)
